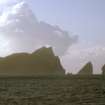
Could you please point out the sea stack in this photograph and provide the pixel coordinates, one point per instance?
(87, 69)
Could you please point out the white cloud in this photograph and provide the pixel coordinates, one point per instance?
(25, 33)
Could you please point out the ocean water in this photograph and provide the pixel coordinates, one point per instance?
(67, 90)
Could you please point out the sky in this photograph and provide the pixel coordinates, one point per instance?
(74, 28)
(82, 17)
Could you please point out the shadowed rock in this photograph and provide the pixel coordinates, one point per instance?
(41, 62)
(103, 69)
(87, 69)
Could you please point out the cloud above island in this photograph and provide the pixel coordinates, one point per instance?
(21, 31)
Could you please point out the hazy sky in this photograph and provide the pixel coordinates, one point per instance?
(82, 18)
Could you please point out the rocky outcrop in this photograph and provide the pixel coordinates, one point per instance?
(41, 62)
(103, 69)
(87, 69)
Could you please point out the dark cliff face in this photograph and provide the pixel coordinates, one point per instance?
(41, 62)
(87, 69)
(103, 69)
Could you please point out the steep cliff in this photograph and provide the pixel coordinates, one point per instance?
(41, 62)
(87, 69)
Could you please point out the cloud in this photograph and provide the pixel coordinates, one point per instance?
(24, 32)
